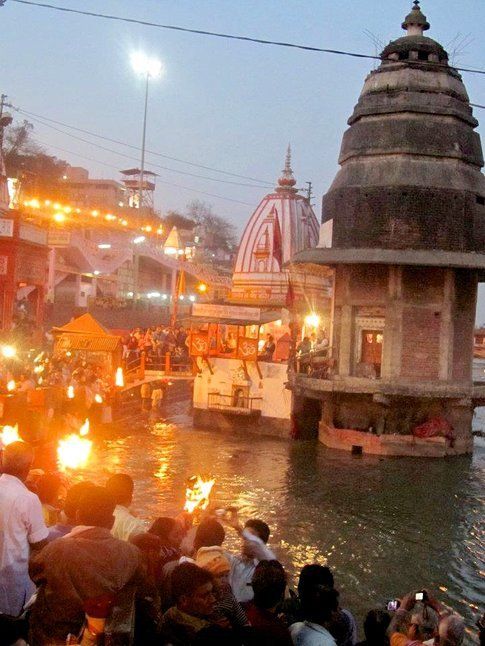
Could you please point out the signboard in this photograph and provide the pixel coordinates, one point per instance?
(58, 238)
(32, 234)
(247, 349)
(199, 344)
(6, 228)
(234, 312)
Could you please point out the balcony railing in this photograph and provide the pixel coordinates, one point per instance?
(240, 404)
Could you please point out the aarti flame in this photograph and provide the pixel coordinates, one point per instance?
(98, 399)
(197, 493)
(73, 452)
(84, 430)
(119, 378)
(10, 434)
(70, 392)
(11, 385)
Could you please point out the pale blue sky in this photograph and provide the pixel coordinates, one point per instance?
(227, 104)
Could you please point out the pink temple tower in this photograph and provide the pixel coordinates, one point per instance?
(283, 224)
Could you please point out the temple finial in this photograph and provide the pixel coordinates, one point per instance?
(415, 22)
(287, 181)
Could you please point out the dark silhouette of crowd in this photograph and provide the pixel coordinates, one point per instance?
(78, 567)
(155, 343)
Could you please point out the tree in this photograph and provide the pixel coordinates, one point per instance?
(39, 173)
(176, 219)
(216, 232)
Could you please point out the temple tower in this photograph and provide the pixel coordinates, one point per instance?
(403, 227)
(282, 224)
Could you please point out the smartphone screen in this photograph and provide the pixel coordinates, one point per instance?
(419, 596)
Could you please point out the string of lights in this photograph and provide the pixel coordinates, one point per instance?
(151, 152)
(202, 32)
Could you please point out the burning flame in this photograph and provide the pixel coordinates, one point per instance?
(119, 379)
(10, 434)
(84, 430)
(70, 392)
(197, 493)
(38, 369)
(39, 357)
(73, 452)
(11, 385)
(98, 399)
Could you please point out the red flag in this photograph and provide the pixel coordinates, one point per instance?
(290, 295)
(277, 240)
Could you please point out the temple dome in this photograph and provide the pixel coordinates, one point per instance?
(282, 224)
(410, 160)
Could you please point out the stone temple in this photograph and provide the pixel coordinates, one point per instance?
(403, 230)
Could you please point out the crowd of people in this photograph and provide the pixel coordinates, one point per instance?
(155, 342)
(78, 567)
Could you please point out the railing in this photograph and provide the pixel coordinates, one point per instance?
(241, 404)
(136, 364)
(316, 365)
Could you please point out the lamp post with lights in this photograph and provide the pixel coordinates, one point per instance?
(149, 68)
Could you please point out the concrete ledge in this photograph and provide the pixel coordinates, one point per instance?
(263, 426)
(392, 445)
(362, 256)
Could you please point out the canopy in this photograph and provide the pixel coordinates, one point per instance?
(85, 324)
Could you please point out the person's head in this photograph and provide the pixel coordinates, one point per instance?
(314, 574)
(120, 487)
(424, 623)
(214, 561)
(268, 583)
(192, 590)
(319, 603)
(96, 507)
(451, 631)
(209, 533)
(260, 529)
(73, 496)
(17, 459)
(376, 624)
(168, 530)
(51, 490)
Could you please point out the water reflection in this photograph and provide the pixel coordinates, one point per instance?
(384, 526)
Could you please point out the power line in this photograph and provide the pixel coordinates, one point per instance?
(161, 181)
(152, 152)
(477, 105)
(132, 158)
(203, 32)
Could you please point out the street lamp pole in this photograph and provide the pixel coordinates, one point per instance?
(142, 164)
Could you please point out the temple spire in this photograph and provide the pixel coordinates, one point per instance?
(287, 180)
(415, 22)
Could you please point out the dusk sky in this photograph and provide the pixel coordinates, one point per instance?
(225, 104)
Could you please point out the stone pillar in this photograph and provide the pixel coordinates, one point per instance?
(77, 294)
(346, 335)
(51, 276)
(391, 351)
(447, 327)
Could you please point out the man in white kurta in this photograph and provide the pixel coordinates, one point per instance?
(22, 528)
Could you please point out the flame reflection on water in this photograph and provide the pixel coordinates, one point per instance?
(384, 526)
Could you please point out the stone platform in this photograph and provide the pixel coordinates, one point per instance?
(392, 444)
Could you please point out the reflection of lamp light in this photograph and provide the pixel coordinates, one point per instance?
(70, 392)
(312, 320)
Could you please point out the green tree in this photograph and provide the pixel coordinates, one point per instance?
(39, 173)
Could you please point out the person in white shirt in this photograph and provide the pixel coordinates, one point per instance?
(319, 603)
(120, 486)
(255, 535)
(22, 528)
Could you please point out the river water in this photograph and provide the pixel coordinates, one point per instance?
(385, 526)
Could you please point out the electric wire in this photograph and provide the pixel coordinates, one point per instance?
(149, 163)
(160, 181)
(151, 152)
(202, 32)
